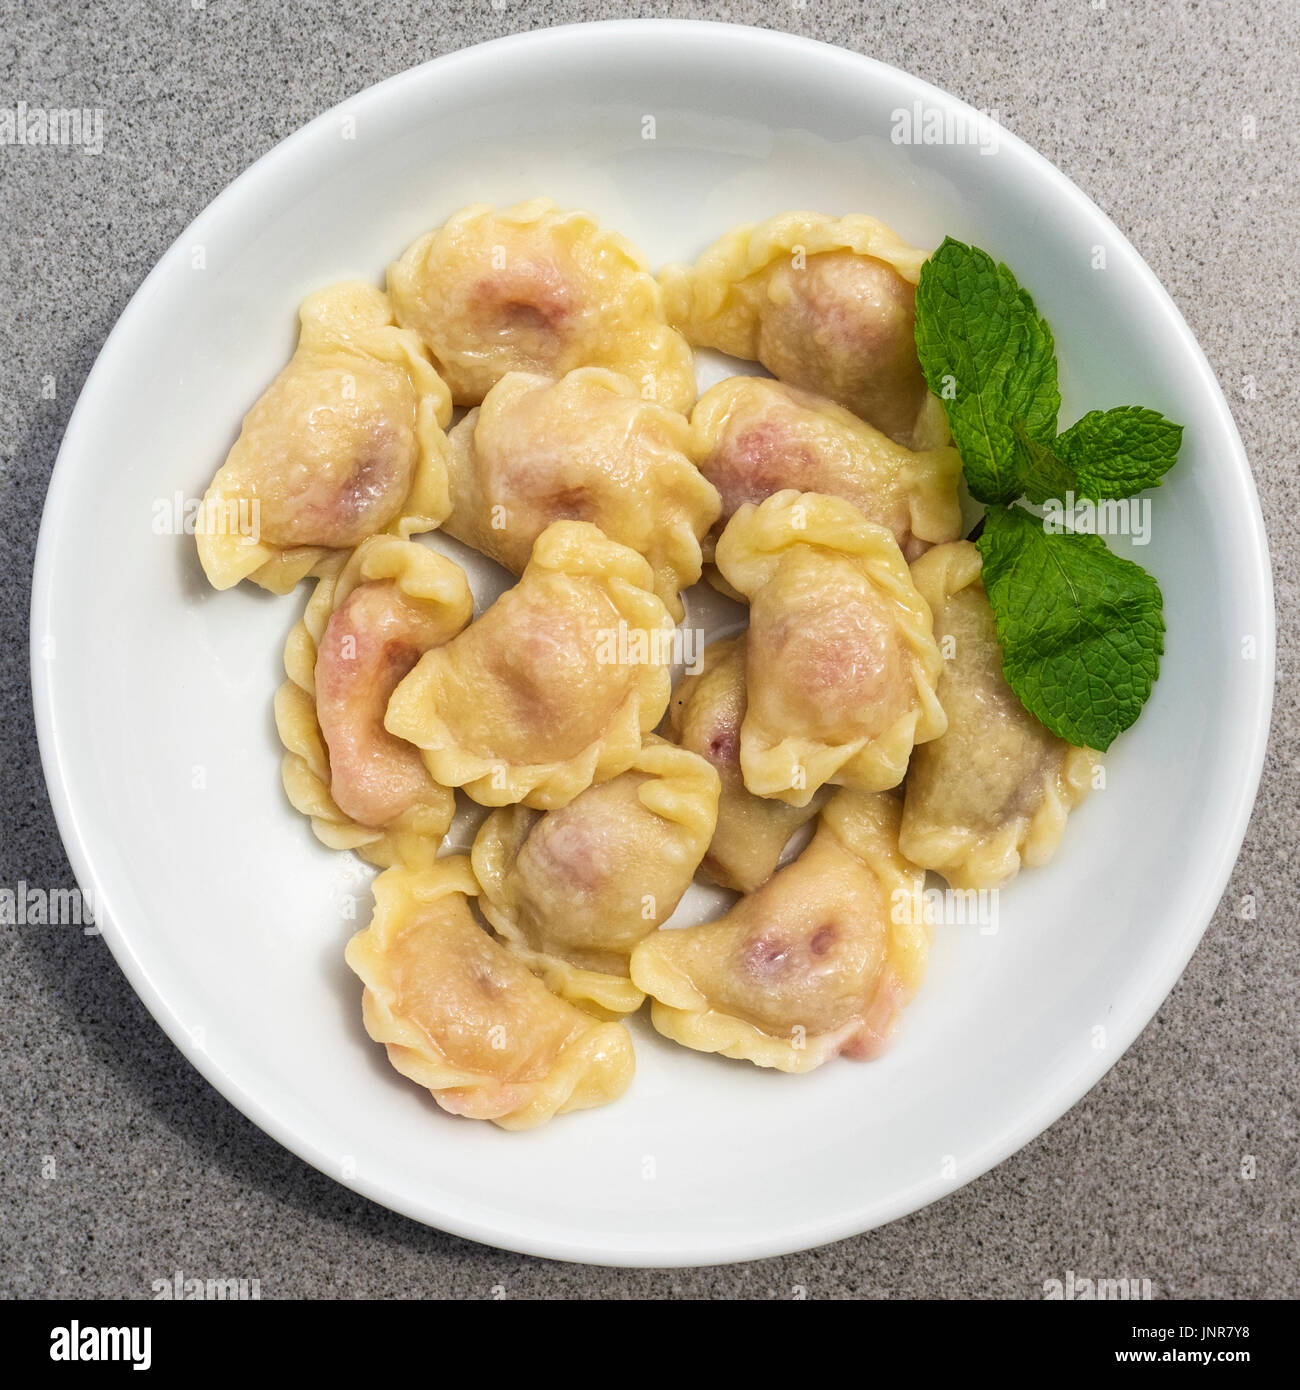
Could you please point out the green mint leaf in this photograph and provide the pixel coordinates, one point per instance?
(1117, 453)
(988, 356)
(1081, 628)
(1108, 454)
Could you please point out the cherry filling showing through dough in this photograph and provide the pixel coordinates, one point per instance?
(324, 495)
(844, 664)
(550, 649)
(757, 461)
(824, 963)
(527, 304)
(723, 749)
(371, 641)
(843, 325)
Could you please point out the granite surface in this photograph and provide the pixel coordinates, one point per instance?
(120, 1165)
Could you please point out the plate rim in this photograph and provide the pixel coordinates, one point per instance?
(1062, 1088)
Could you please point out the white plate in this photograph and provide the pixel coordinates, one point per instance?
(153, 694)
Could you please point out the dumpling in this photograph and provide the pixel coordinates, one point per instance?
(554, 686)
(817, 963)
(752, 437)
(573, 890)
(825, 303)
(459, 1014)
(995, 790)
(363, 630)
(346, 442)
(841, 661)
(705, 716)
(584, 448)
(532, 288)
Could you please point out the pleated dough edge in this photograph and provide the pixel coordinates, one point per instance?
(227, 558)
(667, 355)
(577, 549)
(749, 551)
(866, 826)
(425, 577)
(965, 859)
(594, 1070)
(677, 778)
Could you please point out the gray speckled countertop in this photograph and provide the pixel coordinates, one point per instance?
(1142, 104)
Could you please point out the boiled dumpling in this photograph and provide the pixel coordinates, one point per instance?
(825, 303)
(995, 790)
(817, 963)
(584, 448)
(705, 715)
(554, 687)
(532, 288)
(346, 442)
(459, 1014)
(573, 890)
(363, 630)
(841, 662)
(752, 437)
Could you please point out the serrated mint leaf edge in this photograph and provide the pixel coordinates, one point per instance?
(1100, 484)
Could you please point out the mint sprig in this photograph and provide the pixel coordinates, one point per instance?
(1081, 628)
(1107, 454)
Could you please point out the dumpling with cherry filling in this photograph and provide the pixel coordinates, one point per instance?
(554, 686)
(995, 790)
(816, 963)
(535, 288)
(463, 1017)
(364, 629)
(345, 443)
(572, 891)
(752, 437)
(705, 716)
(584, 448)
(841, 662)
(824, 303)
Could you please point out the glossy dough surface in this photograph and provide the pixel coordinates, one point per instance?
(533, 288)
(752, 437)
(994, 791)
(363, 630)
(554, 686)
(573, 890)
(824, 303)
(584, 448)
(705, 716)
(346, 442)
(841, 661)
(818, 962)
(463, 1017)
